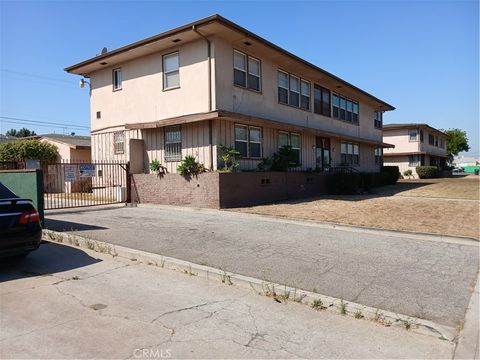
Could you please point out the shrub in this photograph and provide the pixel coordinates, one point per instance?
(20, 150)
(229, 157)
(282, 160)
(427, 172)
(190, 167)
(157, 167)
(390, 174)
(344, 183)
(408, 173)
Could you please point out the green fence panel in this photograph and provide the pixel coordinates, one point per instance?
(27, 184)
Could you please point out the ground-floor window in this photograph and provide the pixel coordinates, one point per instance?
(350, 153)
(413, 160)
(290, 139)
(119, 142)
(173, 143)
(248, 141)
(378, 155)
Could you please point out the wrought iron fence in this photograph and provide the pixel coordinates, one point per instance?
(80, 183)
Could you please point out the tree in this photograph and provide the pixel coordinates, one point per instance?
(22, 149)
(457, 142)
(23, 132)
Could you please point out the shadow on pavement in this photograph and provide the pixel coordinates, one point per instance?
(60, 225)
(50, 258)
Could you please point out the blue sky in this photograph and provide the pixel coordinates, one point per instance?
(420, 56)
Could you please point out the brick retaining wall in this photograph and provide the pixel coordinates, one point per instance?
(223, 190)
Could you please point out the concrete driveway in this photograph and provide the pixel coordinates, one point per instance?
(64, 303)
(430, 279)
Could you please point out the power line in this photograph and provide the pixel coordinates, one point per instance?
(38, 122)
(36, 76)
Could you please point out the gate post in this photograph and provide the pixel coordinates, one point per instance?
(129, 183)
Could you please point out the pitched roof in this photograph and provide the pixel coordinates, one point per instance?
(74, 141)
(85, 67)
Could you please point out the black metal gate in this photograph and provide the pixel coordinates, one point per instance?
(80, 184)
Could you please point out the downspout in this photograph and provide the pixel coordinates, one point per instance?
(210, 125)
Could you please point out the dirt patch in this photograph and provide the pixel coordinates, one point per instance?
(440, 206)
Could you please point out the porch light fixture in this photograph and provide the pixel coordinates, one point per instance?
(82, 83)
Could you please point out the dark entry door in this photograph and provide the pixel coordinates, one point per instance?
(322, 153)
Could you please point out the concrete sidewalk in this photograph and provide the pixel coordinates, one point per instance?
(62, 302)
(430, 279)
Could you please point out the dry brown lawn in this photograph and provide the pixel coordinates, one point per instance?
(447, 206)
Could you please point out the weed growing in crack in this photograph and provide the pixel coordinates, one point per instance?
(358, 315)
(226, 279)
(189, 271)
(408, 323)
(317, 304)
(343, 307)
(75, 278)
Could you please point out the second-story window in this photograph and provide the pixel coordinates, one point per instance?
(321, 100)
(171, 71)
(294, 95)
(378, 120)
(282, 82)
(305, 95)
(431, 139)
(442, 143)
(421, 136)
(345, 109)
(412, 135)
(117, 79)
(436, 141)
(246, 71)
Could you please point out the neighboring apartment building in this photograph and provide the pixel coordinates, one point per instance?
(415, 144)
(211, 82)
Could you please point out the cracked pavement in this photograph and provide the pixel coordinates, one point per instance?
(432, 280)
(63, 302)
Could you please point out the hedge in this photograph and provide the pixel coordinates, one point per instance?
(427, 172)
(354, 183)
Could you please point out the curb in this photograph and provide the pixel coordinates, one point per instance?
(277, 291)
(404, 234)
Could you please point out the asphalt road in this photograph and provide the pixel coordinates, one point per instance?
(64, 303)
(432, 280)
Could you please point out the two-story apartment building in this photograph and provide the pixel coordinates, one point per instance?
(415, 144)
(187, 90)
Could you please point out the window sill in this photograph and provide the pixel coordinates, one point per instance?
(295, 107)
(246, 88)
(171, 88)
(347, 122)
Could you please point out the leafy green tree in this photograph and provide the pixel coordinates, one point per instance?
(456, 143)
(23, 132)
(22, 149)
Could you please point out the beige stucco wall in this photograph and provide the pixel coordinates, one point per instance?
(401, 139)
(142, 98)
(265, 104)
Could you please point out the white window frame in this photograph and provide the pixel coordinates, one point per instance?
(165, 73)
(302, 81)
(119, 142)
(289, 142)
(283, 87)
(415, 162)
(248, 141)
(410, 131)
(350, 152)
(247, 71)
(117, 79)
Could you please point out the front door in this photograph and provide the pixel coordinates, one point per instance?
(322, 153)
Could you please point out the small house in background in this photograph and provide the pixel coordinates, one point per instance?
(5, 138)
(71, 149)
(415, 145)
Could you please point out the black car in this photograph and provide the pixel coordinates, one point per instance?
(20, 229)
